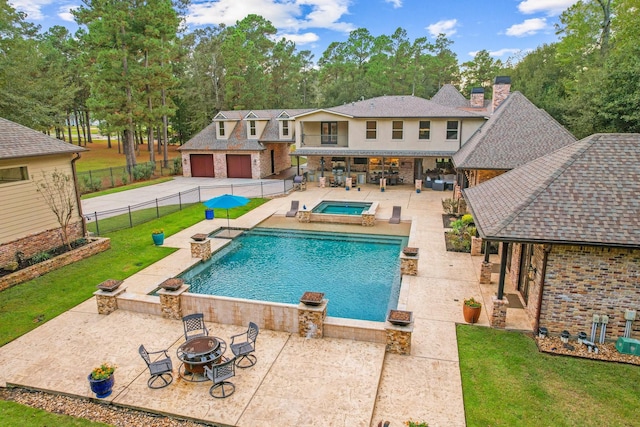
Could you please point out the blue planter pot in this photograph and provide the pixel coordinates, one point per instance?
(158, 239)
(208, 213)
(102, 388)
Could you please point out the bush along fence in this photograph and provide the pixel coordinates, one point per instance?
(102, 223)
(100, 179)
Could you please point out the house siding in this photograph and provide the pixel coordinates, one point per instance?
(582, 281)
(23, 211)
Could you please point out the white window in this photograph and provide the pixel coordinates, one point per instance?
(285, 128)
(372, 129)
(252, 127)
(220, 128)
(424, 131)
(8, 175)
(397, 129)
(328, 132)
(452, 129)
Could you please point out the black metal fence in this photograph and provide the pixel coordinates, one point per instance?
(101, 223)
(100, 179)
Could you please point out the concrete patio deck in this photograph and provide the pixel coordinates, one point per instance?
(297, 381)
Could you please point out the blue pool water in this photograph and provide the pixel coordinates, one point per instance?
(359, 274)
(342, 208)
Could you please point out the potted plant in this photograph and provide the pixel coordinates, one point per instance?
(101, 380)
(158, 236)
(471, 310)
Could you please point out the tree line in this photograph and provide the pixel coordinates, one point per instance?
(134, 69)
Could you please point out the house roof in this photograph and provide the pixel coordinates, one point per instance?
(583, 193)
(406, 106)
(20, 141)
(450, 96)
(345, 152)
(515, 134)
(206, 139)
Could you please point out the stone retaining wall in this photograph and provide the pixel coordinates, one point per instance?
(94, 247)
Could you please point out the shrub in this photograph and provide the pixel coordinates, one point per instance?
(89, 185)
(177, 166)
(450, 206)
(143, 171)
(39, 257)
(125, 178)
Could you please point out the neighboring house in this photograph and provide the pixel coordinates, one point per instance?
(573, 219)
(515, 134)
(241, 144)
(27, 224)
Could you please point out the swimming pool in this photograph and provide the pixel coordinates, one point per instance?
(341, 208)
(359, 273)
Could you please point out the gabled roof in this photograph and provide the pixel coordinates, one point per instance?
(515, 134)
(584, 193)
(407, 106)
(449, 96)
(19, 141)
(206, 139)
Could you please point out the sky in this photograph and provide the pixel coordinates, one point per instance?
(505, 28)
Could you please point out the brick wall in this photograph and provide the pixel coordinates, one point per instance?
(582, 281)
(36, 243)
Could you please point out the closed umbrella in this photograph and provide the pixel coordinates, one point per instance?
(226, 201)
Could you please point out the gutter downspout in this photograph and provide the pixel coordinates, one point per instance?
(543, 274)
(75, 184)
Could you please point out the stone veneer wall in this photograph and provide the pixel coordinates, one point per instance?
(36, 243)
(584, 280)
(29, 273)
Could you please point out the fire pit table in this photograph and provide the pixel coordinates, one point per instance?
(198, 352)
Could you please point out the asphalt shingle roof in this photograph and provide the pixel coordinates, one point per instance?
(584, 193)
(515, 134)
(206, 139)
(400, 106)
(450, 96)
(19, 141)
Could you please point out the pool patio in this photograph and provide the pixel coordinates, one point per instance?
(297, 381)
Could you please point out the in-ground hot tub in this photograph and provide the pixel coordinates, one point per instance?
(341, 211)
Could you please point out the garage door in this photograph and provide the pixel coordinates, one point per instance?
(202, 165)
(239, 165)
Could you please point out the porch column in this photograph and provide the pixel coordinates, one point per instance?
(503, 269)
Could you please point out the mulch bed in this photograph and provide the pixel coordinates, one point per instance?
(447, 218)
(27, 262)
(606, 352)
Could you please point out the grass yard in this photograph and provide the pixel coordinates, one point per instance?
(100, 156)
(507, 382)
(14, 414)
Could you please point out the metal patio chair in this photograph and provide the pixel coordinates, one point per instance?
(194, 326)
(243, 348)
(161, 370)
(219, 374)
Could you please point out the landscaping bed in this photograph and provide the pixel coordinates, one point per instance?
(606, 351)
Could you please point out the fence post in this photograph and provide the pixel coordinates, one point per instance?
(95, 214)
(157, 209)
(113, 182)
(261, 190)
(180, 200)
(130, 219)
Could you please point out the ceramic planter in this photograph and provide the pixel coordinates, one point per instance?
(158, 239)
(471, 314)
(102, 388)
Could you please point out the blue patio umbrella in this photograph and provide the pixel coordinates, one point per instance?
(226, 201)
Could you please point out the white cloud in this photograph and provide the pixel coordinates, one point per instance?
(33, 8)
(64, 12)
(446, 27)
(503, 52)
(550, 7)
(300, 39)
(396, 3)
(286, 15)
(528, 28)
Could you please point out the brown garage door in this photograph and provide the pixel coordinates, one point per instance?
(202, 165)
(239, 165)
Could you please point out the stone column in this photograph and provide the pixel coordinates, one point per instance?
(409, 264)
(485, 273)
(170, 302)
(398, 338)
(304, 215)
(201, 249)
(498, 315)
(476, 246)
(108, 301)
(311, 319)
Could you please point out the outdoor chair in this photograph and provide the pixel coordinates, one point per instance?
(194, 326)
(245, 345)
(161, 370)
(395, 216)
(294, 209)
(219, 374)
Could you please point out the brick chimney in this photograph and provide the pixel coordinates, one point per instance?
(501, 89)
(477, 97)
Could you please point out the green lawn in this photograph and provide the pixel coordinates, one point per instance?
(15, 414)
(507, 382)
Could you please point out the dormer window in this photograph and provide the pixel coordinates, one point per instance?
(252, 127)
(285, 128)
(220, 128)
